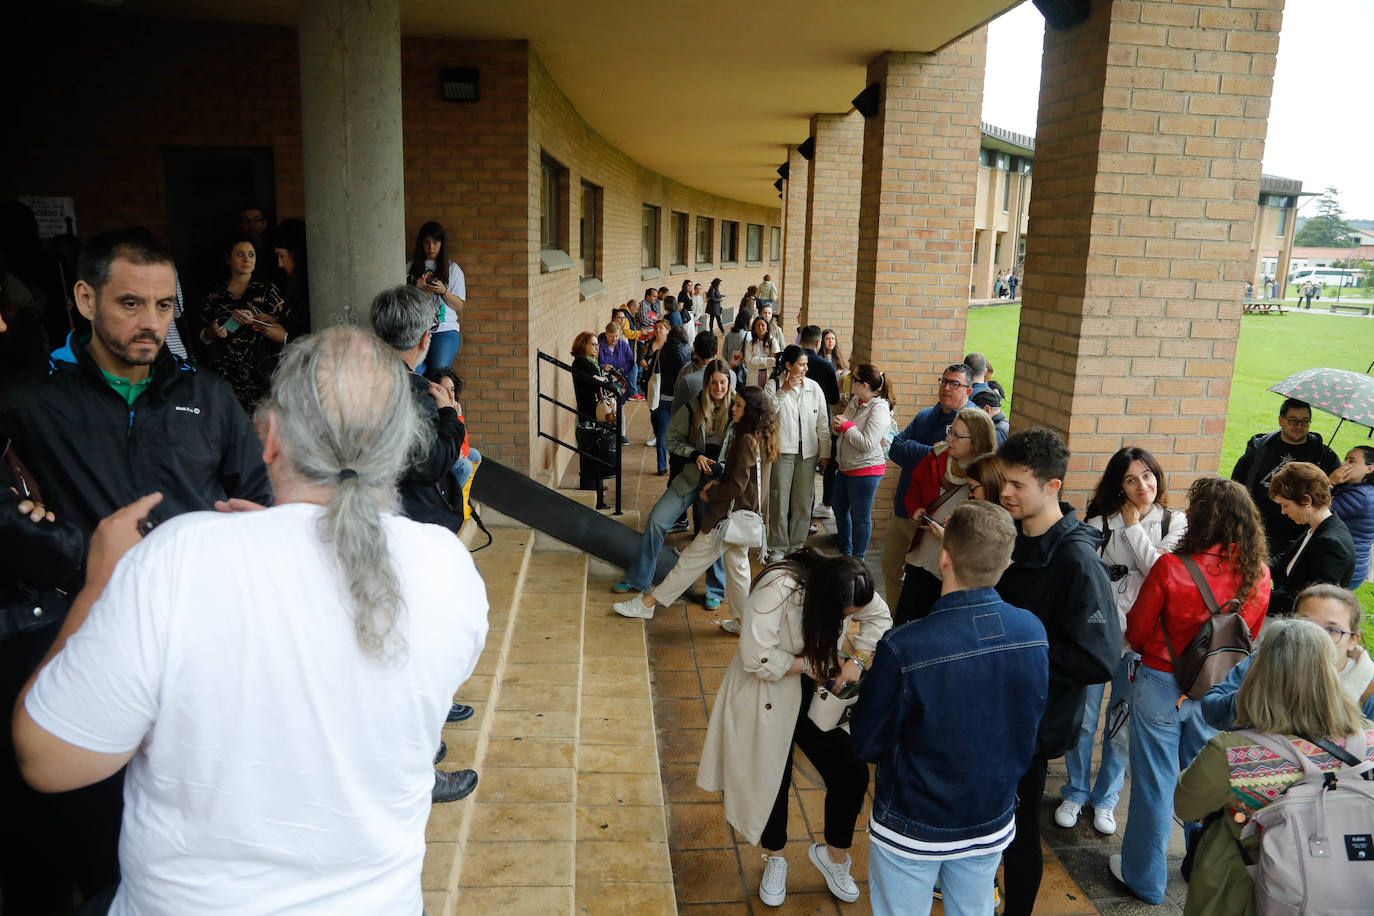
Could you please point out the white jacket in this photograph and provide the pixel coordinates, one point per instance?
(803, 418)
(1137, 548)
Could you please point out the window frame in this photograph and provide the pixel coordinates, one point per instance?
(591, 262)
(729, 233)
(650, 224)
(709, 224)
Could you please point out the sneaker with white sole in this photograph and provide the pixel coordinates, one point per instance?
(1104, 821)
(1114, 866)
(653, 440)
(634, 608)
(730, 625)
(773, 885)
(836, 874)
(1066, 815)
(822, 512)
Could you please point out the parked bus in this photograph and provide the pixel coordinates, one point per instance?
(1327, 276)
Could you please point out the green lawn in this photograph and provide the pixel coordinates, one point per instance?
(1272, 347)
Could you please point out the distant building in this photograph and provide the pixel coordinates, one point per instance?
(1003, 208)
(1271, 247)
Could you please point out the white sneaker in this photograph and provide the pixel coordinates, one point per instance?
(773, 885)
(822, 512)
(1114, 866)
(653, 440)
(634, 608)
(729, 625)
(1104, 821)
(1066, 815)
(836, 874)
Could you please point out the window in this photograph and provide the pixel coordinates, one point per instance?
(997, 250)
(729, 242)
(589, 231)
(1283, 221)
(1006, 191)
(553, 205)
(705, 231)
(679, 239)
(753, 243)
(775, 244)
(648, 243)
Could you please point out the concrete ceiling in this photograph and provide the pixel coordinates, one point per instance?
(707, 92)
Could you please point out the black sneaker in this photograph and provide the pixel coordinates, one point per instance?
(451, 786)
(441, 753)
(679, 525)
(459, 713)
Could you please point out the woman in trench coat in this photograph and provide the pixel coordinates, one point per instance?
(794, 624)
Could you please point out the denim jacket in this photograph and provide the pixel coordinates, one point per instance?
(949, 711)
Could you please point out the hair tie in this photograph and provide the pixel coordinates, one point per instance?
(347, 474)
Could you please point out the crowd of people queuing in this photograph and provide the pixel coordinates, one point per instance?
(997, 628)
(1008, 624)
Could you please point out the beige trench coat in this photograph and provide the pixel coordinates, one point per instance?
(756, 707)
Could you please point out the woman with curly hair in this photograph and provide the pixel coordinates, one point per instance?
(1225, 539)
(751, 440)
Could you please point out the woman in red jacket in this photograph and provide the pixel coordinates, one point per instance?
(1225, 538)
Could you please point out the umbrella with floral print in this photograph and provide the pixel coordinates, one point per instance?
(1339, 392)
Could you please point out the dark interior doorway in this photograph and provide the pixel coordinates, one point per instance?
(206, 186)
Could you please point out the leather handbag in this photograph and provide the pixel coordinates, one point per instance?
(744, 527)
(1221, 643)
(830, 710)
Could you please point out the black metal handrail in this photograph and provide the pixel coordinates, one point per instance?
(613, 427)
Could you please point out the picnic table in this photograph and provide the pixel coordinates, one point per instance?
(1264, 307)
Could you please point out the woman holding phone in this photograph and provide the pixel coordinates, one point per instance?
(432, 271)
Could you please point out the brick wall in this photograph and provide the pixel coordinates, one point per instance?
(832, 222)
(1151, 129)
(794, 235)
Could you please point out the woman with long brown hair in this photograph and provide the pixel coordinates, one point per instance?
(753, 439)
(1225, 539)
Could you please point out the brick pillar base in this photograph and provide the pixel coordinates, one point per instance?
(1147, 167)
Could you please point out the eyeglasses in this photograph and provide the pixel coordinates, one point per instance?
(252, 219)
(1292, 422)
(1337, 633)
(951, 434)
(953, 383)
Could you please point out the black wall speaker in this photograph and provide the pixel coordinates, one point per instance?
(784, 171)
(807, 148)
(1063, 14)
(866, 102)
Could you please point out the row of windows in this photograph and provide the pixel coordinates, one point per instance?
(553, 210)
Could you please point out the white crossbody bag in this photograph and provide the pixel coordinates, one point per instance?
(744, 527)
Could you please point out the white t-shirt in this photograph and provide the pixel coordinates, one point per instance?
(278, 767)
(458, 285)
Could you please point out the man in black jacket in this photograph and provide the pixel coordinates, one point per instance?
(1266, 453)
(1057, 575)
(115, 417)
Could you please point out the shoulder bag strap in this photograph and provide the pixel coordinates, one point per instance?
(944, 498)
(1209, 598)
(1335, 750)
(1106, 536)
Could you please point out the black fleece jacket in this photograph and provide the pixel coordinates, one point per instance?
(1060, 578)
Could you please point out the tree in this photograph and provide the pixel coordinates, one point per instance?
(1328, 229)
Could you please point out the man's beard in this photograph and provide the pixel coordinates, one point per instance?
(123, 349)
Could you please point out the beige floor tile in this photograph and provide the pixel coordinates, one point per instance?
(614, 683)
(621, 824)
(637, 899)
(537, 697)
(673, 660)
(709, 876)
(619, 789)
(435, 903)
(476, 688)
(630, 862)
(534, 724)
(533, 633)
(517, 864)
(524, 673)
(547, 652)
(526, 784)
(446, 820)
(461, 739)
(528, 901)
(676, 684)
(612, 707)
(617, 731)
(530, 752)
(680, 784)
(679, 713)
(680, 745)
(610, 758)
(617, 664)
(440, 859)
(497, 822)
(697, 826)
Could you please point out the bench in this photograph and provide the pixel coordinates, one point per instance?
(1362, 307)
(1264, 307)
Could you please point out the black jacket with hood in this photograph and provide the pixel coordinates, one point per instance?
(92, 453)
(1060, 578)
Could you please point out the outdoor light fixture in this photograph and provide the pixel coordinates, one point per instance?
(807, 148)
(778, 184)
(459, 84)
(1063, 14)
(866, 102)
(784, 171)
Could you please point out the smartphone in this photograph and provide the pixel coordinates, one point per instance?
(230, 325)
(923, 522)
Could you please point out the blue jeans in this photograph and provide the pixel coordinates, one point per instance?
(664, 513)
(904, 886)
(853, 505)
(1111, 772)
(1165, 737)
(462, 468)
(443, 347)
(658, 417)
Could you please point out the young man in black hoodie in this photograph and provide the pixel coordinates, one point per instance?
(1057, 575)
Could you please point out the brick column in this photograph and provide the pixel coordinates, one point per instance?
(1147, 168)
(832, 222)
(919, 190)
(794, 235)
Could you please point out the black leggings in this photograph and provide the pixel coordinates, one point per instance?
(1023, 861)
(845, 775)
(920, 590)
(713, 321)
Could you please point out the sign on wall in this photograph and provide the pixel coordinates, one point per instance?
(56, 215)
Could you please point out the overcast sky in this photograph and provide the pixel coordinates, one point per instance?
(1321, 123)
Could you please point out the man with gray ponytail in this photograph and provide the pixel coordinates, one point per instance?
(278, 715)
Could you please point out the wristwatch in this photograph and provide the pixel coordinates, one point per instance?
(863, 659)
